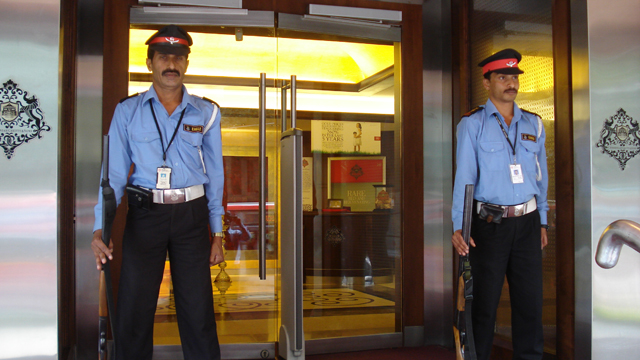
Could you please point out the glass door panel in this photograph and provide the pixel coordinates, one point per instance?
(225, 66)
(347, 96)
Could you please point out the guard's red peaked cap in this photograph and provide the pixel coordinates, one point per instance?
(171, 39)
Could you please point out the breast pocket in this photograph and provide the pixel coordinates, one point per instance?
(192, 147)
(146, 147)
(527, 154)
(492, 155)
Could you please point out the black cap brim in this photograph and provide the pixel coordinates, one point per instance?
(507, 71)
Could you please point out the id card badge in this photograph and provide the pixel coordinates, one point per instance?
(164, 178)
(516, 173)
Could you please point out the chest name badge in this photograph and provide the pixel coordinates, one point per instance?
(193, 128)
(516, 173)
(528, 137)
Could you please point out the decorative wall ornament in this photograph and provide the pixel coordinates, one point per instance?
(21, 118)
(619, 138)
(334, 236)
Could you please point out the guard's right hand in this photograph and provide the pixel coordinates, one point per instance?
(100, 251)
(458, 242)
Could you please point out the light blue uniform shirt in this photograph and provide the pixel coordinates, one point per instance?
(483, 157)
(194, 158)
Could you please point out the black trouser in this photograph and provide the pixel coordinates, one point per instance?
(511, 248)
(181, 229)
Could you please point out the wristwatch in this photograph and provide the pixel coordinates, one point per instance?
(545, 226)
(220, 234)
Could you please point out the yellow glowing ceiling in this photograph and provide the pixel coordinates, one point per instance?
(312, 60)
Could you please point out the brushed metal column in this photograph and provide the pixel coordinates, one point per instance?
(88, 159)
(438, 173)
(30, 46)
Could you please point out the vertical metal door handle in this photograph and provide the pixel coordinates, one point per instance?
(283, 91)
(293, 101)
(262, 129)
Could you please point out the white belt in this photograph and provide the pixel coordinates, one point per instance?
(177, 196)
(514, 210)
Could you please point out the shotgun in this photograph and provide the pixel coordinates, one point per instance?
(462, 327)
(109, 206)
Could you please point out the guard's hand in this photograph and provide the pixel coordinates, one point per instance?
(217, 253)
(100, 251)
(543, 237)
(458, 243)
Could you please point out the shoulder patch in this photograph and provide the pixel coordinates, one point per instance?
(473, 111)
(531, 112)
(211, 101)
(129, 97)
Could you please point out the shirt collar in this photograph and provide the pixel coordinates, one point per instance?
(186, 98)
(491, 109)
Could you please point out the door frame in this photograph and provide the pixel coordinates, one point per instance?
(115, 85)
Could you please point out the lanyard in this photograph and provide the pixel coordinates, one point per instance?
(513, 146)
(164, 151)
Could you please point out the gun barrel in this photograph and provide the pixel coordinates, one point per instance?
(467, 212)
(105, 158)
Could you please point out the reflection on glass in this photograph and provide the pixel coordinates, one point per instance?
(351, 251)
(529, 24)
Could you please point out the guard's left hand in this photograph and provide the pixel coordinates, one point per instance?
(543, 237)
(217, 253)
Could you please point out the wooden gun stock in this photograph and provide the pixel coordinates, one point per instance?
(103, 314)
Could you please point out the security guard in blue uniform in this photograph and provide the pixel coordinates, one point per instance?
(173, 141)
(501, 150)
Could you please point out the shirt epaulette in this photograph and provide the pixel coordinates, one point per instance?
(473, 111)
(128, 97)
(211, 101)
(531, 112)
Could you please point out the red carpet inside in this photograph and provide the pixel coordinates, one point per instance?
(412, 353)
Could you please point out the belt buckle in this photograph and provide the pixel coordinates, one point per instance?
(173, 196)
(519, 210)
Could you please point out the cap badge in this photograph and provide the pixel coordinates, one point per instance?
(511, 63)
(171, 40)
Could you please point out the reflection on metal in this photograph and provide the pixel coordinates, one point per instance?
(262, 210)
(605, 72)
(223, 281)
(196, 16)
(237, 4)
(438, 154)
(21, 118)
(366, 31)
(619, 137)
(291, 337)
(617, 234)
(29, 186)
(355, 12)
(334, 236)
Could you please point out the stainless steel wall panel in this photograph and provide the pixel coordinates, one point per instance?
(87, 169)
(28, 186)
(438, 172)
(614, 83)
